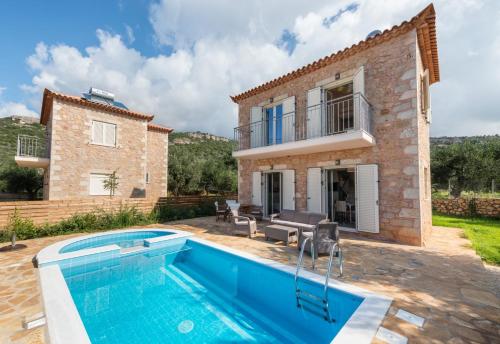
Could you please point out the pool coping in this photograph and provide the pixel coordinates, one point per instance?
(63, 319)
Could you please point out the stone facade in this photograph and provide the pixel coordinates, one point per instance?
(489, 207)
(392, 78)
(157, 164)
(73, 157)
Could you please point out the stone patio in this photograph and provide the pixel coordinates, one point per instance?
(445, 283)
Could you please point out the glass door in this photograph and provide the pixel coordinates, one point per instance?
(273, 183)
(274, 124)
(340, 194)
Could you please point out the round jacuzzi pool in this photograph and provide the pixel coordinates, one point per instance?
(124, 240)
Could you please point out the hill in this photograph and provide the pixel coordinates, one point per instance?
(201, 163)
(448, 140)
(10, 128)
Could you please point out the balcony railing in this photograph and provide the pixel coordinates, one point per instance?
(331, 117)
(31, 147)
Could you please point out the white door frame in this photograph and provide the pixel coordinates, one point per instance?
(324, 193)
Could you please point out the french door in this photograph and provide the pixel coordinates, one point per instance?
(274, 124)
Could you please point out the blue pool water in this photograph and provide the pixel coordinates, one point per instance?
(127, 239)
(189, 292)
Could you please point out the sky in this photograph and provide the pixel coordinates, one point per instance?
(181, 60)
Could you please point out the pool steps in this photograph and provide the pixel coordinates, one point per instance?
(313, 303)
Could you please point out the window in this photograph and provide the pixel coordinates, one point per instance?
(425, 96)
(103, 133)
(147, 178)
(97, 184)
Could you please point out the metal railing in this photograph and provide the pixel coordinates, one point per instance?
(335, 116)
(31, 146)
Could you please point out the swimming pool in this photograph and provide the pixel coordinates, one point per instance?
(191, 290)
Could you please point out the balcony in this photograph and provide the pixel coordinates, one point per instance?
(31, 152)
(337, 124)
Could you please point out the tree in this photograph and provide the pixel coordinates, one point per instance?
(18, 179)
(111, 183)
(469, 165)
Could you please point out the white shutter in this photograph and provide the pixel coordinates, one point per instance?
(314, 112)
(358, 83)
(97, 132)
(314, 189)
(288, 119)
(426, 97)
(109, 134)
(289, 189)
(367, 198)
(256, 127)
(96, 184)
(257, 188)
(358, 89)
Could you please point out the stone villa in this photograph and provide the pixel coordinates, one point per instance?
(347, 135)
(90, 137)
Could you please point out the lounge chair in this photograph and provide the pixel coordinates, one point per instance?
(245, 225)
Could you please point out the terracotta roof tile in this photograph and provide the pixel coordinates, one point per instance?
(159, 128)
(424, 23)
(49, 95)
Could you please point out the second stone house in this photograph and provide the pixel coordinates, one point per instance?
(347, 135)
(88, 138)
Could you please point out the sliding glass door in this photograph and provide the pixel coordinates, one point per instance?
(273, 193)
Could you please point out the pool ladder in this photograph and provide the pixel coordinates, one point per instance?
(311, 302)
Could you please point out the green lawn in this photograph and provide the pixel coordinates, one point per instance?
(482, 232)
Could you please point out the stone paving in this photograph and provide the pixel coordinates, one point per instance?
(445, 283)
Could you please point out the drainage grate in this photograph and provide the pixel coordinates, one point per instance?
(411, 318)
(390, 337)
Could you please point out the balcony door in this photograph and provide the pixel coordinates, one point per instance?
(274, 124)
(339, 109)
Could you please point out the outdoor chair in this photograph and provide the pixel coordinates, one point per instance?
(245, 225)
(323, 237)
(256, 211)
(221, 211)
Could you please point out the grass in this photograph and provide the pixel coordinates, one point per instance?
(484, 234)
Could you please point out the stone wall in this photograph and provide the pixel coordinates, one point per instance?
(489, 207)
(391, 87)
(157, 164)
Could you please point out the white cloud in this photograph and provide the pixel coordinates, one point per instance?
(13, 108)
(130, 34)
(223, 47)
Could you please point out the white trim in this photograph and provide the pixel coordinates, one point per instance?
(349, 140)
(64, 324)
(63, 319)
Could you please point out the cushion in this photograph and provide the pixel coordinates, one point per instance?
(302, 217)
(315, 218)
(287, 215)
